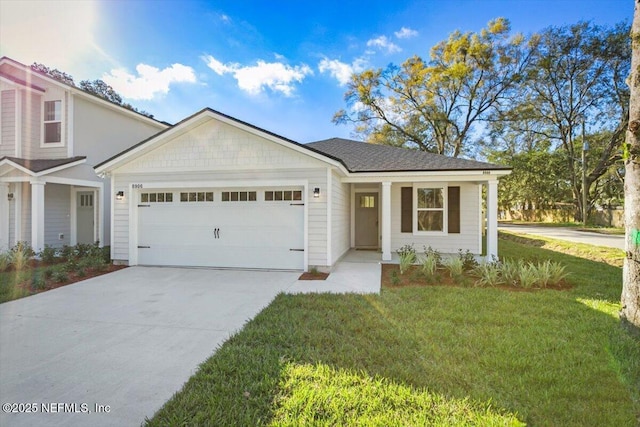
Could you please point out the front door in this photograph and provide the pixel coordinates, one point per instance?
(85, 217)
(366, 220)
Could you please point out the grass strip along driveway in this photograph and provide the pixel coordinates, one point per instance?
(428, 355)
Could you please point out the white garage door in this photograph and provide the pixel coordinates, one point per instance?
(241, 228)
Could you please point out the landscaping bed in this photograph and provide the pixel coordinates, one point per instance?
(22, 273)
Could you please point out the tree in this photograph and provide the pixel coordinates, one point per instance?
(53, 73)
(435, 106)
(630, 313)
(101, 89)
(577, 78)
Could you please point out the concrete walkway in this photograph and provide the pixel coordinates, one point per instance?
(128, 340)
(568, 234)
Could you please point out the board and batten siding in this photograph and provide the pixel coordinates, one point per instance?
(341, 217)
(57, 205)
(467, 239)
(218, 153)
(8, 123)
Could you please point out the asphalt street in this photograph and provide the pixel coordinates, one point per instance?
(568, 234)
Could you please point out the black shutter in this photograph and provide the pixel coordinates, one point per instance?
(406, 207)
(453, 198)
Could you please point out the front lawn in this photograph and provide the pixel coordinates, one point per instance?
(428, 355)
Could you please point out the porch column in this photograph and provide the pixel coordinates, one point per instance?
(4, 216)
(386, 221)
(492, 219)
(37, 215)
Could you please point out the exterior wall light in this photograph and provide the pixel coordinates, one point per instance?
(120, 195)
(9, 196)
(316, 192)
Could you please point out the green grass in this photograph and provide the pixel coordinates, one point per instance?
(428, 356)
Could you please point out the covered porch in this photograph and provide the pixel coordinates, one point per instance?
(51, 202)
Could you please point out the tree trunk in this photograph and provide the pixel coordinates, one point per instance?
(630, 313)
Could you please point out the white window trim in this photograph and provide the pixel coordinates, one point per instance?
(63, 132)
(445, 208)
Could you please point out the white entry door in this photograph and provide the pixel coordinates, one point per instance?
(247, 228)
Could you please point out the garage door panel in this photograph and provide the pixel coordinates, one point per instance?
(254, 234)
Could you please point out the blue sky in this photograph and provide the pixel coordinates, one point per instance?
(280, 65)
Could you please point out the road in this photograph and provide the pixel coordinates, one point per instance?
(568, 234)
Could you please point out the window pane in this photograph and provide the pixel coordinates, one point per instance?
(184, 197)
(278, 195)
(161, 197)
(430, 221)
(201, 197)
(288, 195)
(297, 195)
(252, 196)
(234, 196)
(225, 196)
(53, 132)
(152, 197)
(268, 195)
(430, 198)
(144, 197)
(209, 197)
(52, 110)
(243, 196)
(367, 202)
(168, 197)
(192, 197)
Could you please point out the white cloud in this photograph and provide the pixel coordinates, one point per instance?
(341, 71)
(253, 79)
(405, 33)
(149, 82)
(385, 44)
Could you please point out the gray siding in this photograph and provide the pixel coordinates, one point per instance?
(341, 216)
(8, 123)
(57, 208)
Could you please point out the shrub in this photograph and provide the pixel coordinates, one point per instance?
(407, 255)
(82, 250)
(455, 266)
(70, 266)
(5, 261)
(434, 253)
(20, 255)
(48, 254)
(395, 279)
(38, 282)
(468, 260)
(557, 273)
(511, 271)
(488, 274)
(66, 253)
(60, 276)
(48, 273)
(528, 275)
(430, 265)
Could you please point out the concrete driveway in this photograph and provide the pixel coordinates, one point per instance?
(568, 234)
(130, 339)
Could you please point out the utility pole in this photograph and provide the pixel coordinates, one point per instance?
(585, 147)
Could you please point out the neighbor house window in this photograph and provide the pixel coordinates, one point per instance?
(430, 209)
(52, 122)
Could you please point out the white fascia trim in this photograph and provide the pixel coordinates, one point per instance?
(426, 176)
(71, 181)
(38, 174)
(70, 124)
(329, 216)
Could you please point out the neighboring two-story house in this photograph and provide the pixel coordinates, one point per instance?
(51, 136)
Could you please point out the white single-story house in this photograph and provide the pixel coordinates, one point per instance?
(218, 192)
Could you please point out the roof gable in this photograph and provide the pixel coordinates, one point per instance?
(193, 129)
(36, 167)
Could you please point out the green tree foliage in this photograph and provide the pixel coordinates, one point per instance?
(95, 87)
(435, 105)
(577, 75)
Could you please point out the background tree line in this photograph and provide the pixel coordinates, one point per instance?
(513, 99)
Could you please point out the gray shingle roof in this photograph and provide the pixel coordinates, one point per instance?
(360, 156)
(40, 165)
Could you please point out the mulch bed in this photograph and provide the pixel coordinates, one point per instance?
(413, 277)
(313, 276)
(73, 277)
